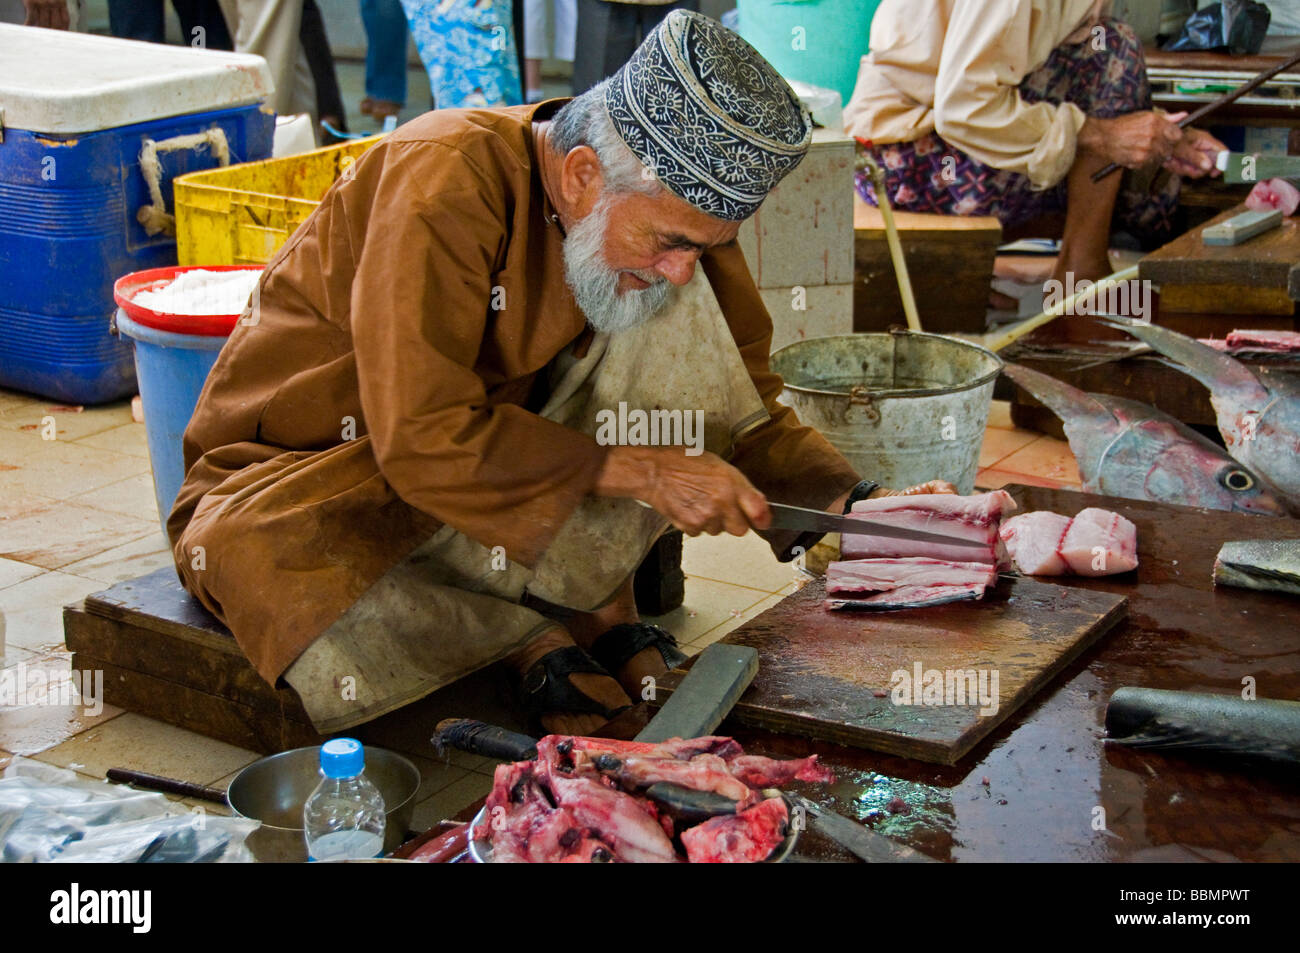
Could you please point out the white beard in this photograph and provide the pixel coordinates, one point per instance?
(595, 285)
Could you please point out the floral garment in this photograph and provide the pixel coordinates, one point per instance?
(468, 49)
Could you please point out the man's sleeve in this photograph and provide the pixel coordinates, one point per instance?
(977, 106)
(421, 303)
(787, 461)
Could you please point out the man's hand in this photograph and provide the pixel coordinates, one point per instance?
(1195, 154)
(933, 486)
(1134, 140)
(702, 494)
(47, 13)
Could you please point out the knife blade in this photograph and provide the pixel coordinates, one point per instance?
(819, 521)
(862, 842)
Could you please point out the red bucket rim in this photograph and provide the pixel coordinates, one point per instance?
(151, 279)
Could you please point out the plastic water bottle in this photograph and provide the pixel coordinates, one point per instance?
(344, 817)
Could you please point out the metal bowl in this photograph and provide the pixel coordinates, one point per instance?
(481, 851)
(274, 790)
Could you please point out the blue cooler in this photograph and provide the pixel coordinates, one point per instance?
(92, 131)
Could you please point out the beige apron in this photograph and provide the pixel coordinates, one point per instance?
(452, 606)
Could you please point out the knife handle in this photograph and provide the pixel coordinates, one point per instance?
(476, 737)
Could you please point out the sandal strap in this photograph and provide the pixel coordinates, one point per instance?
(546, 685)
(614, 647)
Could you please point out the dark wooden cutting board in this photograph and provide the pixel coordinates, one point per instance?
(829, 675)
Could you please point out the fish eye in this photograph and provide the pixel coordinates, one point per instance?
(1237, 480)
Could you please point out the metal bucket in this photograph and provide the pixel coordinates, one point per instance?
(275, 789)
(903, 407)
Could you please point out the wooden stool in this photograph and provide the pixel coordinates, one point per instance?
(949, 258)
(163, 655)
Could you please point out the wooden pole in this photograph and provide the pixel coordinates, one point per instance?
(997, 340)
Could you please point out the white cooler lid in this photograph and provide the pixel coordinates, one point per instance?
(55, 81)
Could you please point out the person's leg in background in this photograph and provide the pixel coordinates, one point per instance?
(385, 25)
(566, 29)
(535, 48)
(137, 20)
(271, 28)
(517, 30)
(607, 37)
(329, 101)
(202, 24)
(609, 33)
(651, 15)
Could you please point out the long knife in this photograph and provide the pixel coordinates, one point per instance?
(819, 521)
(864, 843)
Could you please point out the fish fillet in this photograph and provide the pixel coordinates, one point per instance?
(908, 597)
(968, 517)
(1033, 541)
(878, 575)
(1100, 543)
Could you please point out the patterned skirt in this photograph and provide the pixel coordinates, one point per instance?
(931, 175)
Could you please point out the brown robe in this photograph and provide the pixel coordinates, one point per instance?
(386, 383)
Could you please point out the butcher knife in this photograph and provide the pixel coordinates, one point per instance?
(819, 521)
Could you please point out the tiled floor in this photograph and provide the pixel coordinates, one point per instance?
(78, 514)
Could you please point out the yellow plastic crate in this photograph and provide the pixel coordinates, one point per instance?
(242, 214)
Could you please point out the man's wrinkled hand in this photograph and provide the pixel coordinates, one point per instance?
(1134, 140)
(700, 494)
(1195, 155)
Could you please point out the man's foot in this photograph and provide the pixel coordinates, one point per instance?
(599, 688)
(635, 651)
(380, 109)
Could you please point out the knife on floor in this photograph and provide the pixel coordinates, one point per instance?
(819, 521)
(862, 842)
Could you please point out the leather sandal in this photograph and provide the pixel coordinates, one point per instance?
(546, 687)
(615, 647)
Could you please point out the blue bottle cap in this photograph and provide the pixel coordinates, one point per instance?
(342, 758)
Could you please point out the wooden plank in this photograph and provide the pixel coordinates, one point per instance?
(830, 675)
(1225, 299)
(1269, 261)
(720, 675)
(157, 601)
(217, 670)
(960, 248)
(867, 217)
(198, 711)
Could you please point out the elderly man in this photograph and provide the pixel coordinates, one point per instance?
(394, 476)
(1007, 108)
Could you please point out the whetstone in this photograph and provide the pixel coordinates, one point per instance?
(706, 695)
(1241, 227)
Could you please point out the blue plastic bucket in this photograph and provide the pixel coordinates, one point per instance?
(170, 369)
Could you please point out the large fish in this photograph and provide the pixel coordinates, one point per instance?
(1125, 448)
(1258, 415)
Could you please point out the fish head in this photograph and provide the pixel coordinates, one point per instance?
(1198, 473)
